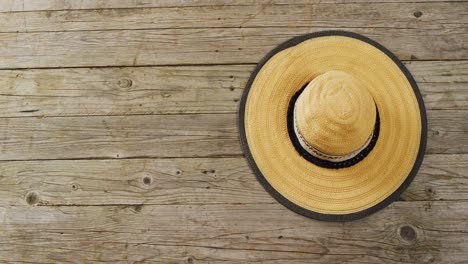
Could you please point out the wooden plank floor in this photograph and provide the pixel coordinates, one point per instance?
(119, 140)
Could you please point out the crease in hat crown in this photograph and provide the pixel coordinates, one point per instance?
(335, 116)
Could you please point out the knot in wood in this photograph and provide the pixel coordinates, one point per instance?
(407, 233)
(147, 180)
(32, 198)
(125, 83)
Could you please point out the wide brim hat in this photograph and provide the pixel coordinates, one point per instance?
(333, 125)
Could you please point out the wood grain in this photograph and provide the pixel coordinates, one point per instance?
(124, 91)
(156, 136)
(441, 177)
(119, 139)
(442, 83)
(178, 90)
(442, 129)
(435, 16)
(405, 232)
(184, 181)
(34, 5)
(201, 46)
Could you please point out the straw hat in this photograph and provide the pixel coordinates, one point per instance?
(333, 125)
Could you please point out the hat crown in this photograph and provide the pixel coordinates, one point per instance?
(335, 114)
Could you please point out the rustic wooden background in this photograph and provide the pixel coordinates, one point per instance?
(119, 142)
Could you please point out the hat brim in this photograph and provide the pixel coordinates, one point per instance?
(323, 193)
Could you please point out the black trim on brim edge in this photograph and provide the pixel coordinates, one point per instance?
(294, 207)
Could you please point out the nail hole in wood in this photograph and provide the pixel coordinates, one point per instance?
(417, 14)
(430, 191)
(427, 207)
(147, 180)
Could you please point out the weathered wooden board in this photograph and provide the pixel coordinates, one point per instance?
(405, 232)
(184, 181)
(119, 137)
(155, 136)
(201, 46)
(443, 84)
(434, 16)
(441, 177)
(134, 90)
(441, 131)
(34, 5)
(183, 89)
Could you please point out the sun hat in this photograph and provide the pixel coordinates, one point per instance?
(333, 125)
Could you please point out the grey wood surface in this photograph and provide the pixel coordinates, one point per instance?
(119, 139)
(200, 181)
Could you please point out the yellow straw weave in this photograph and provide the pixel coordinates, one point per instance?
(354, 77)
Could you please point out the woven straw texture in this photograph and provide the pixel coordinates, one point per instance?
(373, 77)
(335, 113)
